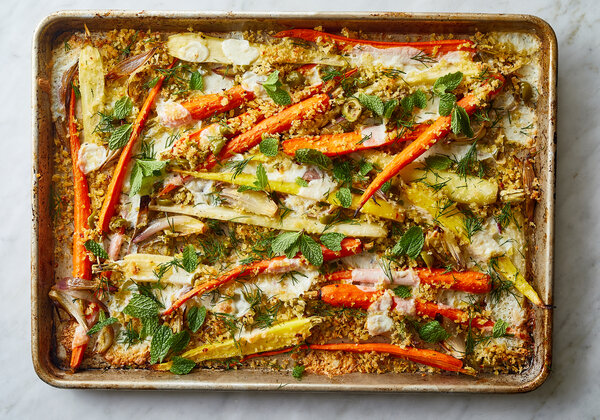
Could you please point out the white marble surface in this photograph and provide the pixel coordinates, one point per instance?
(573, 390)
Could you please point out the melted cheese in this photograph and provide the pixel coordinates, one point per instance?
(239, 51)
(91, 157)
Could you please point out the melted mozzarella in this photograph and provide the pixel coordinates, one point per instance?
(484, 244)
(194, 50)
(91, 157)
(215, 83)
(375, 135)
(239, 51)
(379, 323)
(252, 82)
(201, 190)
(172, 114)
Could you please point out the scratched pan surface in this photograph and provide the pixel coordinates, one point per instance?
(399, 25)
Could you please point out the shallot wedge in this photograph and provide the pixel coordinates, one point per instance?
(129, 65)
(183, 225)
(350, 246)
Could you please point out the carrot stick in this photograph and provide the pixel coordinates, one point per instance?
(344, 143)
(348, 296)
(438, 130)
(467, 281)
(275, 124)
(350, 246)
(77, 353)
(425, 357)
(116, 183)
(429, 47)
(82, 266)
(207, 105)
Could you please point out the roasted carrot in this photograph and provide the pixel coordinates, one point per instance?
(350, 246)
(344, 143)
(116, 183)
(276, 124)
(467, 281)
(204, 106)
(438, 130)
(429, 47)
(423, 356)
(82, 266)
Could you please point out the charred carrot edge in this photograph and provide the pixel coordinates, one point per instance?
(77, 356)
(350, 246)
(274, 124)
(438, 130)
(116, 183)
(341, 41)
(207, 105)
(344, 143)
(82, 266)
(423, 356)
(467, 281)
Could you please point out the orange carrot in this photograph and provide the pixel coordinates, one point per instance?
(438, 130)
(116, 183)
(348, 296)
(429, 47)
(207, 105)
(344, 143)
(82, 266)
(425, 357)
(467, 281)
(275, 124)
(350, 246)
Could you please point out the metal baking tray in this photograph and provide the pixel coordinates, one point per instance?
(42, 260)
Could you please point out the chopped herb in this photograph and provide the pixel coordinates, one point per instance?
(143, 174)
(460, 122)
(261, 183)
(289, 243)
(142, 307)
(123, 108)
(403, 291)
(332, 240)
(373, 103)
(447, 83)
(438, 162)
(499, 329)
(411, 243)
(189, 259)
(181, 365)
(423, 58)
(389, 107)
(152, 82)
(195, 318)
(96, 249)
(119, 137)
(180, 341)
(273, 88)
(302, 182)
(472, 225)
(103, 321)
(433, 332)
(161, 343)
(237, 166)
(344, 196)
(313, 157)
(269, 146)
(298, 372)
(196, 81)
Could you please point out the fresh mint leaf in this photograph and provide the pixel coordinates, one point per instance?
(438, 162)
(386, 187)
(269, 146)
(447, 83)
(119, 137)
(447, 102)
(149, 326)
(273, 88)
(411, 243)
(196, 81)
(103, 322)
(365, 168)
(313, 157)
(433, 332)
(333, 240)
(181, 365)
(344, 196)
(419, 99)
(499, 329)
(96, 249)
(342, 171)
(196, 317)
(189, 259)
(142, 307)
(460, 122)
(143, 174)
(302, 182)
(389, 107)
(261, 183)
(180, 341)
(285, 242)
(403, 291)
(122, 108)
(311, 250)
(161, 343)
(373, 103)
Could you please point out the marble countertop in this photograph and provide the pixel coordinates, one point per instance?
(573, 388)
